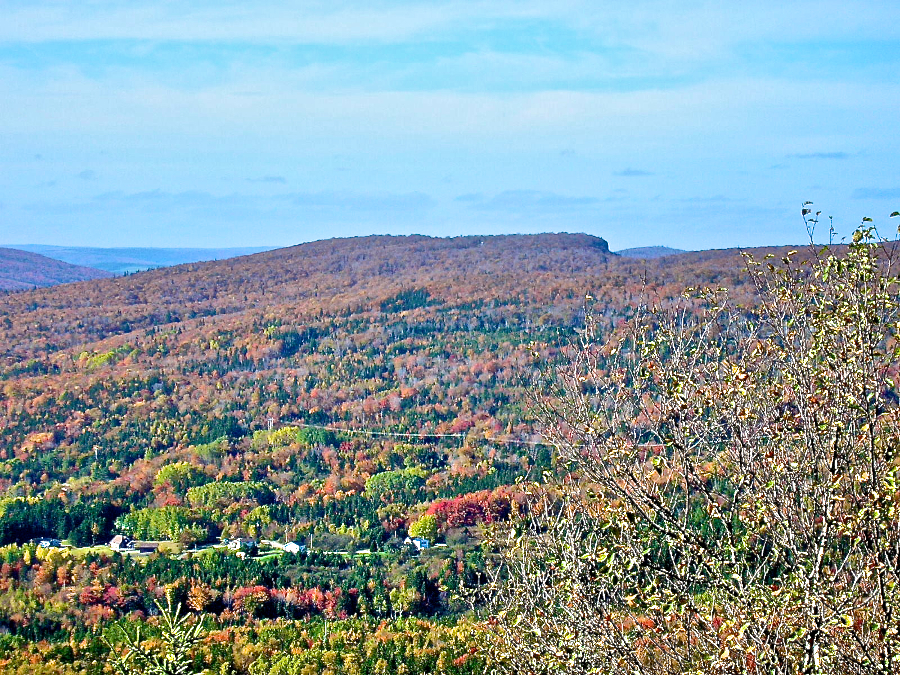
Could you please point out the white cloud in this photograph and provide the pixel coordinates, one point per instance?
(484, 92)
(683, 32)
(162, 201)
(261, 103)
(307, 22)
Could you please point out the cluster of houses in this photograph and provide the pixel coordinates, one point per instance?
(418, 543)
(295, 547)
(242, 546)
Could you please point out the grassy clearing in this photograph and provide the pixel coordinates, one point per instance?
(165, 548)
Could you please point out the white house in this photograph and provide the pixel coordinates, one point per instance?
(421, 543)
(239, 544)
(294, 547)
(121, 543)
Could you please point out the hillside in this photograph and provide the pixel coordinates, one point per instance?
(321, 278)
(129, 260)
(319, 327)
(344, 392)
(409, 334)
(23, 270)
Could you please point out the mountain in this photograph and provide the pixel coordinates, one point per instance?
(415, 335)
(330, 393)
(412, 334)
(128, 260)
(649, 252)
(105, 381)
(22, 270)
(319, 278)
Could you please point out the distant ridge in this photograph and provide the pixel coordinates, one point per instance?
(650, 252)
(516, 280)
(24, 270)
(127, 260)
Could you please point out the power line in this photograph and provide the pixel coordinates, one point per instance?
(399, 434)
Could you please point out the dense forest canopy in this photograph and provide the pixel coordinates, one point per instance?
(341, 395)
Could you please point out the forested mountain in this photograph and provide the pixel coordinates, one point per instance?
(345, 393)
(337, 277)
(22, 270)
(408, 334)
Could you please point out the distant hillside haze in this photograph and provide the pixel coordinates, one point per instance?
(128, 260)
(24, 270)
(649, 252)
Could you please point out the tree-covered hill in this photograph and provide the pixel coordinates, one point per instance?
(339, 276)
(405, 334)
(343, 393)
(23, 270)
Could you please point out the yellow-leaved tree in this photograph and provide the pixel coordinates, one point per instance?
(730, 498)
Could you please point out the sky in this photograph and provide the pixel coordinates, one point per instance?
(209, 124)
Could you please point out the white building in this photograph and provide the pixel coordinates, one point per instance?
(121, 543)
(421, 543)
(294, 547)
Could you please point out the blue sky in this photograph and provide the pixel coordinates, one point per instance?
(688, 124)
